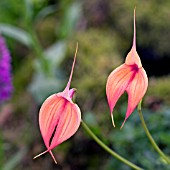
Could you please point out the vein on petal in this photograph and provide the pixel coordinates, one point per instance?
(51, 116)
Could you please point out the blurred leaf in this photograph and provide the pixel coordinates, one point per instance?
(42, 86)
(72, 15)
(56, 52)
(54, 55)
(12, 163)
(16, 33)
(45, 12)
(29, 9)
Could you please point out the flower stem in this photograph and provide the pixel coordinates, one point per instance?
(150, 136)
(107, 149)
(35, 44)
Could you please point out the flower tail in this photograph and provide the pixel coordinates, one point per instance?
(44, 153)
(71, 74)
(53, 156)
(112, 120)
(134, 31)
(123, 123)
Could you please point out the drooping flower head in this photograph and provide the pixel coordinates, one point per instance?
(59, 117)
(6, 87)
(129, 77)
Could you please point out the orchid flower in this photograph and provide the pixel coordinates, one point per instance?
(59, 117)
(129, 77)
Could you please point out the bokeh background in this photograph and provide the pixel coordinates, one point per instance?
(41, 36)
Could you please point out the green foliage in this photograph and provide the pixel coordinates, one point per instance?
(14, 12)
(11, 11)
(160, 88)
(132, 142)
(15, 160)
(45, 83)
(151, 20)
(47, 60)
(96, 58)
(22, 77)
(71, 15)
(16, 33)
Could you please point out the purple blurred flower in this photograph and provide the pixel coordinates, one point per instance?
(6, 87)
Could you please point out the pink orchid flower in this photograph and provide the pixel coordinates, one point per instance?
(129, 77)
(59, 117)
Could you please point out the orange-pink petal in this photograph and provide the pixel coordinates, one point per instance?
(59, 119)
(49, 116)
(117, 83)
(68, 124)
(136, 90)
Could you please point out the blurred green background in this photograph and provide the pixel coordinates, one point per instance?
(41, 36)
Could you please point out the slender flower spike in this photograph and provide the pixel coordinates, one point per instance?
(129, 77)
(59, 117)
(6, 87)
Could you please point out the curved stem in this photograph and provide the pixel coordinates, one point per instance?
(150, 136)
(107, 149)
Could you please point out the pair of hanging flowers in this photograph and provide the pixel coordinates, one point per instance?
(60, 118)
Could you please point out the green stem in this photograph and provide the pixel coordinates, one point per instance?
(150, 136)
(36, 45)
(107, 149)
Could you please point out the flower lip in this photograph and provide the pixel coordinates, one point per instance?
(133, 58)
(72, 92)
